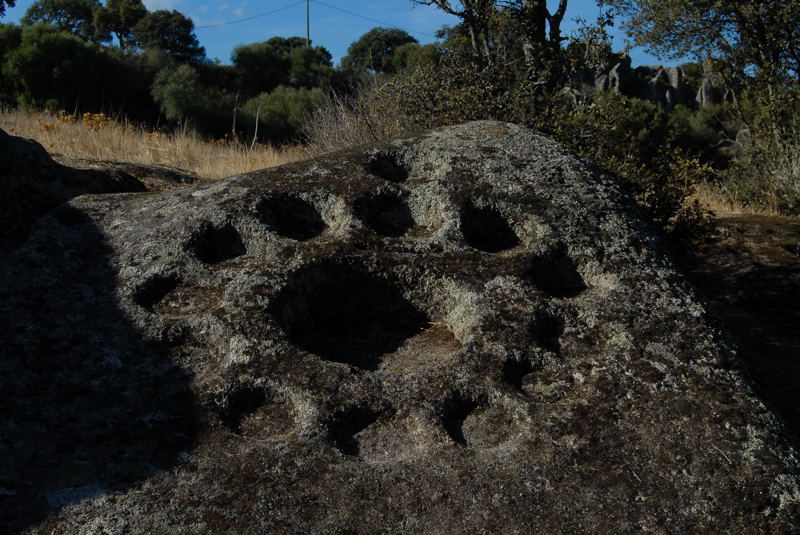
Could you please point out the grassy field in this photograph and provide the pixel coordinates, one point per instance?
(95, 136)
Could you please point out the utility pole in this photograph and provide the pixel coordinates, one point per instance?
(308, 23)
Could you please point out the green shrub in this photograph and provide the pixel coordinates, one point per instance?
(175, 91)
(280, 114)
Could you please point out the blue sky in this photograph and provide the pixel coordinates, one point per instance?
(330, 26)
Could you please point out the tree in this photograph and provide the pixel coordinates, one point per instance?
(170, 32)
(73, 16)
(119, 17)
(412, 55)
(538, 28)
(762, 36)
(374, 50)
(310, 67)
(261, 66)
(55, 67)
(3, 4)
(281, 61)
(175, 91)
(283, 111)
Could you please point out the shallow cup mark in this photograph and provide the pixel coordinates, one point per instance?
(290, 216)
(486, 230)
(214, 245)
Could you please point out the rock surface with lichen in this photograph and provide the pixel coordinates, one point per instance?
(471, 331)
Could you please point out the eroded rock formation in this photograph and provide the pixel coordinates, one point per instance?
(472, 331)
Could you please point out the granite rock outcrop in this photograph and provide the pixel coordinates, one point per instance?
(470, 331)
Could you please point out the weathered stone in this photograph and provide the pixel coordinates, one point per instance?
(668, 88)
(472, 331)
(32, 184)
(711, 95)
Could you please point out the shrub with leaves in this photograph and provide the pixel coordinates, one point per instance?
(281, 113)
(175, 91)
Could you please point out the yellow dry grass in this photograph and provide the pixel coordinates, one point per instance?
(95, 136)
(722, 202)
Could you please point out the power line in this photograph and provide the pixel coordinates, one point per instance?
(382, 23)
(252, 17)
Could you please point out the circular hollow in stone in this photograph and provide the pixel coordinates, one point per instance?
(214, 245)
(516, 370)
(343, 314)
(486, 230)
(475, 423)
(248, 408)
(385, 165)
(455, 410)
(154, 290)
(385, 213)
(556, 274)
(488, 427)
(290, 216)
(546, 330)
(345, 426)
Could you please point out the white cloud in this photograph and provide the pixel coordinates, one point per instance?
(239, 13)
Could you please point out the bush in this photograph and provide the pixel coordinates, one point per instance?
(629, 137)
(281, 113)
(175, 91)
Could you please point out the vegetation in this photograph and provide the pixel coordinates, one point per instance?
(96, 136)
(505, 59)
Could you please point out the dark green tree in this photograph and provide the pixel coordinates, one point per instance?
(170, 32)
(282, 112)
(119, 18)
(759, 35)
(374, 50)
(285, 45)
(176, 92)
(10, 39)
(3, 4)
(73, 16)
(494, 27)
(310, 67)
(51, 67)
(412, 55)
(261, 66)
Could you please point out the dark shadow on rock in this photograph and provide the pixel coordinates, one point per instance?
(32, 184)
(344, 314)
(88, 405)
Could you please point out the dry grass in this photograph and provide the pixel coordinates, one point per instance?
(95, 136)
(724, 202)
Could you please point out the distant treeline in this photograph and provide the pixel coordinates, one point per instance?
(505, 60)
(120, 59)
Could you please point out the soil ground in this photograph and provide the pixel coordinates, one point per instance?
(750, 274)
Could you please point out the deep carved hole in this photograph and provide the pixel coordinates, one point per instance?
(343, 314)
(455, 411)
(154, 290)
(291, 217)
(237, 404)
(486, 230)
(515, 371)
(215, 245)
(386, 166)
(345, 425)
(792, 248)
(546, 330)
(387, 214)
(557, 275)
